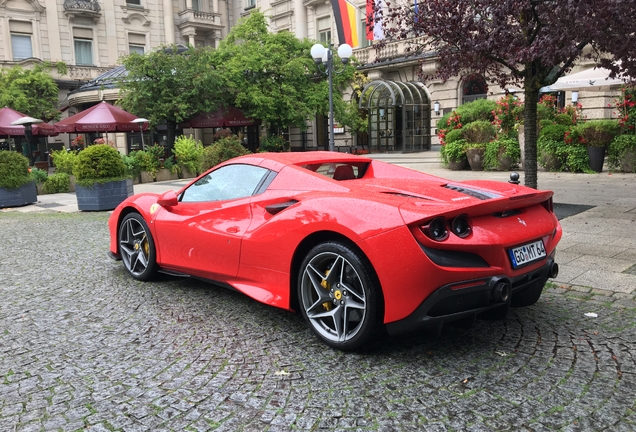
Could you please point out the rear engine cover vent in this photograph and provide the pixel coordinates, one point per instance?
(475, 193)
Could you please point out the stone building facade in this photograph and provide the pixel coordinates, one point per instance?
(91, 35)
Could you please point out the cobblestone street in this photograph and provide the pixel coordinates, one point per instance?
(83, 345)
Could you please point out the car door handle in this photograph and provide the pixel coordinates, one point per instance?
(233, 229)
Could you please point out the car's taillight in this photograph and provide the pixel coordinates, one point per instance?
(460, 226)
(437, 229)
(547, 204)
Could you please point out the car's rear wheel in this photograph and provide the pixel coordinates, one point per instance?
(339, 295)
(137, 247)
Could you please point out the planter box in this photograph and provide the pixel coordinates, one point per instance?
(105, 196)
(185, 174)
(25, 194)
(164, 174)
(475, 158)
(146, 177)
(597, 157)
(458, 165)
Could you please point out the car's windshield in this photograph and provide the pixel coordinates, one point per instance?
(228, 182)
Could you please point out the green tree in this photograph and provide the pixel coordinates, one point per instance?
(272, 76)
(532, 42)
(33, 92)
(171, 85)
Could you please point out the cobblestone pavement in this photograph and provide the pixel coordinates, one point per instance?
(82, 345)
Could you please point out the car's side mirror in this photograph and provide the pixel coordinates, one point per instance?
(168, 199)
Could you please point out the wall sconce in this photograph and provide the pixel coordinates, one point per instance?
(436, 107)
(575, 97)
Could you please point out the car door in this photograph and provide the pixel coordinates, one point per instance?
(202, 234)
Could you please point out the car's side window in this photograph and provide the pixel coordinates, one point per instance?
(226, 183)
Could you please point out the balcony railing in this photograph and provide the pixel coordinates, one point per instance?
(84, 8)
(390, 51)
(208, 20)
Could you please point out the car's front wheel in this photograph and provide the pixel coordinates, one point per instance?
(339, 295)
(137, 247)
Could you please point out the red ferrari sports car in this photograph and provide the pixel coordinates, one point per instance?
(356, 244)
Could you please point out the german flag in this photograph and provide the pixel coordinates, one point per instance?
(347, 22)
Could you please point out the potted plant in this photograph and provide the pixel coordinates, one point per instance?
(40, 176)
(477, 134)
(63, 161)
(551, 151)
(17, 186)
(502, 154)
(622, 153)
(102, 182)
(454, 155)
(168, 170)
(189, 155)
(597, 135)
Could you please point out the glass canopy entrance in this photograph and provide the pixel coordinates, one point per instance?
(399, 115)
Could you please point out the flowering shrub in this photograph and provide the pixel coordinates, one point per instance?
(507, 114)
(625, 106)
(453, 122)
(78, 142)
(100, 141)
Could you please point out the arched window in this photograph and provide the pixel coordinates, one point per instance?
(474, 88)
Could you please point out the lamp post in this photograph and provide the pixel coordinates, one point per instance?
(324, 56)
(28, 123)
(141, 122)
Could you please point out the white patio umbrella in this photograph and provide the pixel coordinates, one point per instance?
(589, 79)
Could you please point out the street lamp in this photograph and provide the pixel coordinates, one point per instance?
(324, 56)
(27, 122)
(141, 122)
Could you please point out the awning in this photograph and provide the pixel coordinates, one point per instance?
(223, 117)
(590, 79)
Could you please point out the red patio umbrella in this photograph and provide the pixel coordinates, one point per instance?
(8, 115)
(102, 117)
(223, 117)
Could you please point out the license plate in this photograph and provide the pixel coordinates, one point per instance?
(527, 253)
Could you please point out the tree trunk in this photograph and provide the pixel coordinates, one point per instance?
(172, 128)
(530, 133)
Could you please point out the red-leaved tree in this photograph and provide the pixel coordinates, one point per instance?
(524, 42)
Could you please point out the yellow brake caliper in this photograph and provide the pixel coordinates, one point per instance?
(325, 285)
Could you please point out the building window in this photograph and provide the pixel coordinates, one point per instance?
(134, 2)
(83, 51)
(136, 43)
(324, 30)
(250, 4)
(362, 37)
(136, 49)
(196, 6)
(83, 45)
(21, 46)
(474, 88)
(21, 43)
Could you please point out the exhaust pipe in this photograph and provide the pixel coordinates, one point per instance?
(554, 270)
(501, 291)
